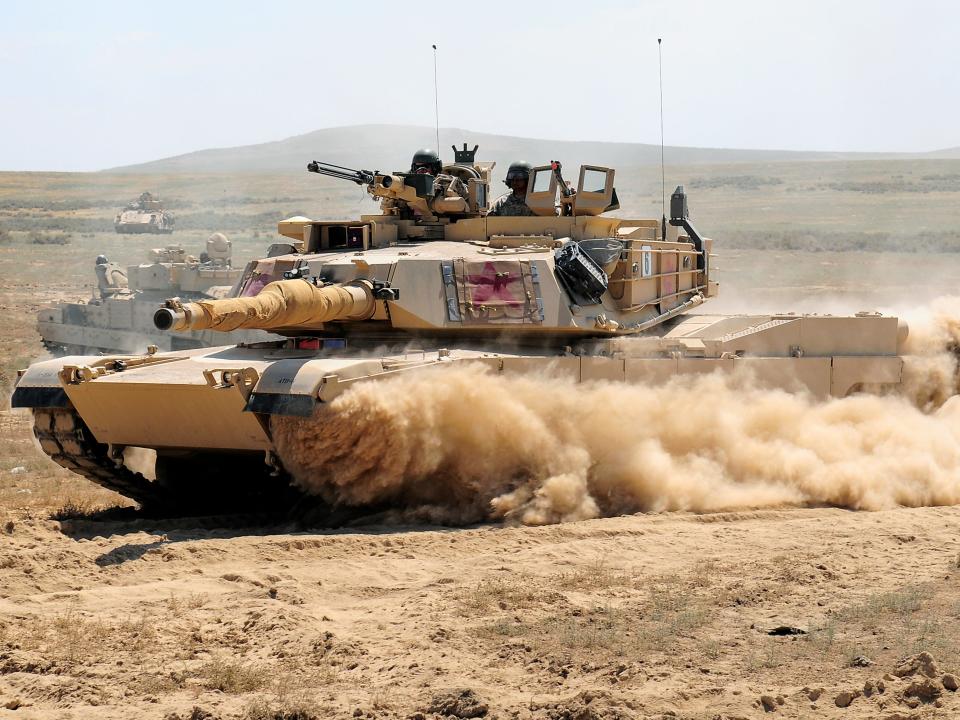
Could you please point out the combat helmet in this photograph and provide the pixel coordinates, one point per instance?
(426, 158)
(518, 169)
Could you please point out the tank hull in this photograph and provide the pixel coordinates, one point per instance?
(221, 400)
(140, 228)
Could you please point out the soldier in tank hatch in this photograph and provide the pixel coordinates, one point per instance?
(111, 278)
(426, 162)
(514, 204)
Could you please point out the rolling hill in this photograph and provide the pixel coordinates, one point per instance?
(389, 147)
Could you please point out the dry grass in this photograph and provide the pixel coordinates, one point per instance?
(882, 627)
(792, 568)
(261, 709)
(601, 629)
(292, 695)
(178, 605)
(876, 608)
(80, 508)
(232, 677)
(504, 593)
(153, 684)
(648, 615)
(598, 576)
(74, 638)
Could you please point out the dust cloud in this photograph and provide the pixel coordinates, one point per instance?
(463, 444)
(931, 351)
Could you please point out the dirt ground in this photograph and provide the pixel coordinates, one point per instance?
(649, 616)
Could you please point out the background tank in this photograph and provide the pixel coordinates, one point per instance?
(144, 215)
(118, 318)
(432, 280)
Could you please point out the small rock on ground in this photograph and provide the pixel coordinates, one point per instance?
(845, 697)
(925, 690)
(922, 663)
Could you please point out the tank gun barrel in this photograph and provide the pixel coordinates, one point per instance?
(283, 304)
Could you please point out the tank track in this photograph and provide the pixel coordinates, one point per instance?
(65, 437)
(68, 441)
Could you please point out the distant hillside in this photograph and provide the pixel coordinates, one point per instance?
(945, 154)
(389, 147)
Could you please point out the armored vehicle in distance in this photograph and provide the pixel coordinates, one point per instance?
(144, 215)
(119, 316)
(564, 290)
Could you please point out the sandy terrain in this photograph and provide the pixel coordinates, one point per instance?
(662, 615)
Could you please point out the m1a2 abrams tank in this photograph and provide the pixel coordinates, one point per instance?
(144, 215)
(119, 316)
(569, 290)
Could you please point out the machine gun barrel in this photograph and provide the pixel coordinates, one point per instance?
(285, 306)
(360, 177)
(561, 183)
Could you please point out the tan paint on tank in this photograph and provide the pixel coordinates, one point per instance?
(167, 415)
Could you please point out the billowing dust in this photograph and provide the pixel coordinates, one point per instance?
(462, 444)
(930, 372)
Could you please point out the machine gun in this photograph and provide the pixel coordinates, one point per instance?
(360, 177)
(566, 194)
(402, 194)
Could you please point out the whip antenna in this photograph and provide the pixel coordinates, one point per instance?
(663, 175)
(436, 100)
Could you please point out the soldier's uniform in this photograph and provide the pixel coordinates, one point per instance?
(111, 278)
(510, 205)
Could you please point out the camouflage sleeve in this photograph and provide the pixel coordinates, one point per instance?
(510, 206)
(523, 209)
(498, 204)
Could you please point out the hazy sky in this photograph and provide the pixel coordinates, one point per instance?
(89, 85)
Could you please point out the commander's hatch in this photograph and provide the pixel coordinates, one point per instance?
(542, 191)
(595, 193)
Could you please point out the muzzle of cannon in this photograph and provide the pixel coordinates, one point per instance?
(281, 304)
